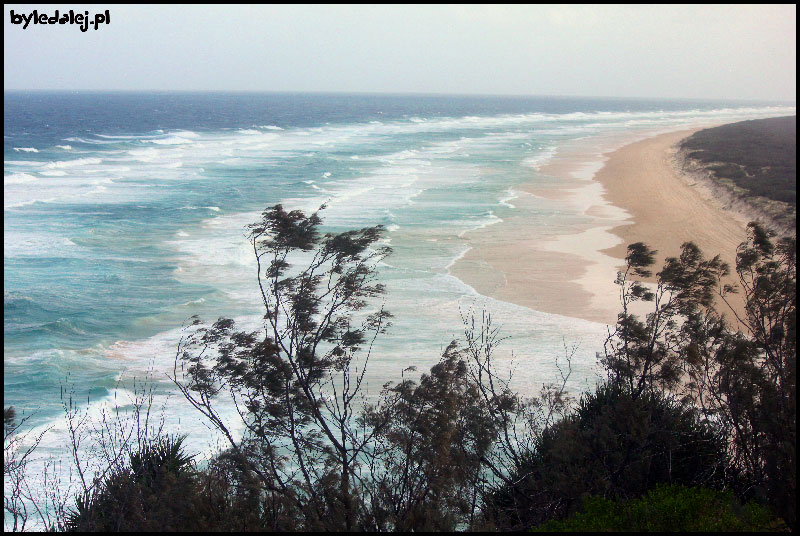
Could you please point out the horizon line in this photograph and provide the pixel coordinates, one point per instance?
(396, 93)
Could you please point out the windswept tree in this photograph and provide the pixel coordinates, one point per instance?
(297, 382)
(686, 400)
(744, 384)
(427, 460)
(644, 355)
(315, 451)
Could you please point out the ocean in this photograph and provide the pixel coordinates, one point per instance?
(124, 215)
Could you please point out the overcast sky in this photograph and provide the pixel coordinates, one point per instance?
(736, 52)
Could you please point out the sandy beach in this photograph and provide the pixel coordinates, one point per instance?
(638, 194)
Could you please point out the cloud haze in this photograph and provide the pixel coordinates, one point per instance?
(736, 52)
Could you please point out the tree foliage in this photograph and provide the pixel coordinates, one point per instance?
(615, 445)
(744, 383)
(686, 400)
(154, 491)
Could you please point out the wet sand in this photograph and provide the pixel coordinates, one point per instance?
(638, 195)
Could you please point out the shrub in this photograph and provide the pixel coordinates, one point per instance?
(613, 445)
(155, 491)
(669, 508)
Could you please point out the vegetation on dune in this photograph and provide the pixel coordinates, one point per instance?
(759, 156)
(690, 413)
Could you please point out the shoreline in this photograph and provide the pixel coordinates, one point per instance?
(671, 207)
(631, 191)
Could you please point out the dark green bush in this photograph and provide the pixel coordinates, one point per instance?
(614, 445)
(669, 508)
(155, 491)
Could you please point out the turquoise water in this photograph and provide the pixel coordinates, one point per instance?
(124, 216)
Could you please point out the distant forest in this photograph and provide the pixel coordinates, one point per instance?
(759, 156)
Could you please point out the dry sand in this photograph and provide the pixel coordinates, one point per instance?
(667, 207)
(637, 196)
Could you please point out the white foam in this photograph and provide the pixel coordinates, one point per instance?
(171, 140)
(73, 163)
(19, 178)
(18, 244)
(380, 189)
(126, 136)
(461, 254)
(25, 163)
(511, 195)
(539, 160)
(486, 221)
(144, 155)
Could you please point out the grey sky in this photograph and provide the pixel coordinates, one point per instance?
(746, 52)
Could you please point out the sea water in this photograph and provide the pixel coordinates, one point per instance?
(124, 215)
